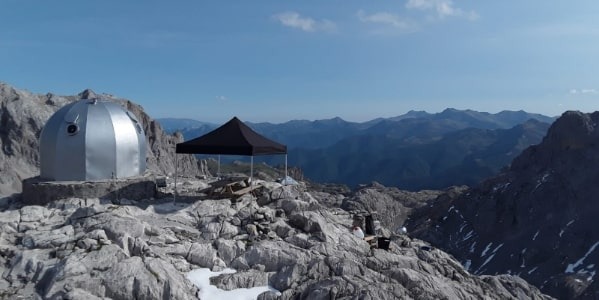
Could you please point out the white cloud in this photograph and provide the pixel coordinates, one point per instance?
(443, 8)
(384, 18)
(295, 20)
(583, 91)
(221, 98)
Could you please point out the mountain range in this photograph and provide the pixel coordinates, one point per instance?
(537, 219)
(412, 151)
(292, 238)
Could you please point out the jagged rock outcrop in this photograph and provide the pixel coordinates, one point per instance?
(392, 206)
(537, 220)
(75, 248)
(23, 115)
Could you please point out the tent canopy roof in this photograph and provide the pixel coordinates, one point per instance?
(233, 138)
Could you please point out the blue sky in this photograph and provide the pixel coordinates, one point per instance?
(281, 60)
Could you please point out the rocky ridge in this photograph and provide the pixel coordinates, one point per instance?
(536, 220)
(285, 237)
(23, 115)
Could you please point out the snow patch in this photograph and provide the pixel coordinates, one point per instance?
(486, 249)
(472, 247)
(468, 235)
(467, 265)
(571, 267)
(451, 208)
(486, 262)
(590, 278)
(462, 227)
(201, 279)
(564, 229)
(501, 187)
(541, 181)
(497, 248)
(532, 270)
(536, 234)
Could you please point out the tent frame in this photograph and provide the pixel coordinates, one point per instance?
(232, 138)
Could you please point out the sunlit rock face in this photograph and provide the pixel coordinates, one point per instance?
(92, 139)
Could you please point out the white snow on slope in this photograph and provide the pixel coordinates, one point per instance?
(541, 181)
(486, 249)
(564, 229)
(536, 234)
(462, 227)
(571, 267)
(467, 265)
(468, 235)
(472, 247)
(486, 262)
(497, 248)
(201, 279)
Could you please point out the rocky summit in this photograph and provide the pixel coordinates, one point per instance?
(537, 220)
(294, 239)
(282, 236)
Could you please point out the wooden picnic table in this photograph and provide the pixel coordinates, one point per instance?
(232, 187)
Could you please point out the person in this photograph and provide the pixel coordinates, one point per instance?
(357, 231)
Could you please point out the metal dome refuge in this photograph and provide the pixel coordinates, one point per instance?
(92, 140)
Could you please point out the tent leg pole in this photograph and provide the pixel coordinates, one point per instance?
(285, 169)
(252, 171)
(175, 192)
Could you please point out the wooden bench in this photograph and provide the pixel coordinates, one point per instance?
(227, 189)
(245, 190)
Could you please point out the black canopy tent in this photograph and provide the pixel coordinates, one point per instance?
(232, 138)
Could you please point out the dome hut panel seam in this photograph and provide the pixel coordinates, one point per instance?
(103, 142)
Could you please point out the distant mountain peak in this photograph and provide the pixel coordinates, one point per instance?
(536, 219)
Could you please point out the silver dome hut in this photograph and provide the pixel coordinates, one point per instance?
(92, 139)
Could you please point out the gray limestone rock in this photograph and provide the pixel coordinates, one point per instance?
(536, 219)
(143, 250)
(34, 213)
(228, 250)
(246, 279)
(49, 239)
(203, 255)
(147, 279)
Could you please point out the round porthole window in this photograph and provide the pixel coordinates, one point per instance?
(72, 129)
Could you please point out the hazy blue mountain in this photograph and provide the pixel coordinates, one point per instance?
(308, 134)
(415, 150)
(461, 157)
(323, 133)
(171, 125)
